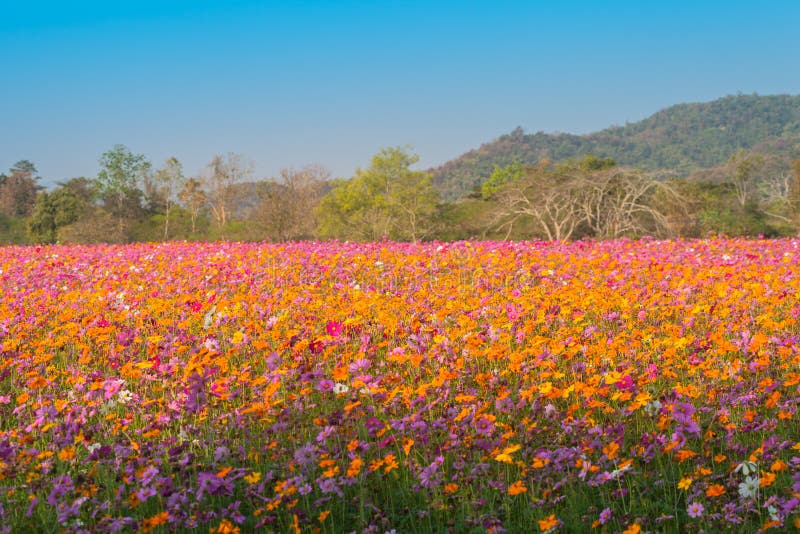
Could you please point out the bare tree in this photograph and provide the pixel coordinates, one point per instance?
(617, 202)
(193, 198)
(551, 199)
(287, 209)
(605, 200)
(222, 174)
(168, 181)
(742, 168)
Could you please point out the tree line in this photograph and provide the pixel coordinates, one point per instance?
(131, 200)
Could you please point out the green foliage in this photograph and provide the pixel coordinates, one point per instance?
(119, 185)
(681, 138)
(500, 177)
(387, 200)
(121, 172)
(52, 211)
(12, 231)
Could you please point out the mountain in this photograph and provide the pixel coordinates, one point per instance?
(681, 139)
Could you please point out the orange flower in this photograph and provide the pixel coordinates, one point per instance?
(390, 463)
(611, 450)
(548, 523)
(715, 490)
(767, 479)
(778, 466)
(516, 488)
(355, 467)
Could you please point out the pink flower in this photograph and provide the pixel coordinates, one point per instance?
(695, 510)
(334, 328)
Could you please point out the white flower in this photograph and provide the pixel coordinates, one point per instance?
(108, 406)
(746, 468)
(749, 488)
(93, 447)
(653, 408)
(124, 396)
(340, 388)
(773, 513)
(209, 317)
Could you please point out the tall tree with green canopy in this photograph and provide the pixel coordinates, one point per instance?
(53, 211)
(386, 200)
(119, 179)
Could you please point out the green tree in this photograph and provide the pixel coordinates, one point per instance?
(500, 177)
(388, 199)
(119, 184)
(53, 211)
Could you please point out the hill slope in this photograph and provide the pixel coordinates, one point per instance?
(681, 138)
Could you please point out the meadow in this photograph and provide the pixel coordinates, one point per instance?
(617, 386)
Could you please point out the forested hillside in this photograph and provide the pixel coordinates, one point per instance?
(729, 167)
(681, 139)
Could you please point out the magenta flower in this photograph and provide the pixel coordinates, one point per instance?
(334, 328)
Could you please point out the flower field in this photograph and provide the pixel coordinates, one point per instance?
(467, 387)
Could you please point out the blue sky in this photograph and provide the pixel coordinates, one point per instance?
(292, 83)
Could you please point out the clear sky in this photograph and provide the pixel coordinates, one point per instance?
(291, 83)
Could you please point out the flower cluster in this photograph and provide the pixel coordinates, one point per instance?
(620, 385)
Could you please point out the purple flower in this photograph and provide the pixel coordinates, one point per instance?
(325, 385)
(605, 516)
(221, 453)
(213, 485)
(483, 426)
(504, 405)
(305, 455)
(373, 425)
(325, 433)
(148, 475)
(145, 493)
(328, 485)
(695, 510)
(61, 486)
(31, 507)
(430, 476)
(359, 365)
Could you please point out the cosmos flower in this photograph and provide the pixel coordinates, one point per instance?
(695, 510)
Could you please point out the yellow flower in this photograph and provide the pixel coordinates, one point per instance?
(685, 483)
(253, 477)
